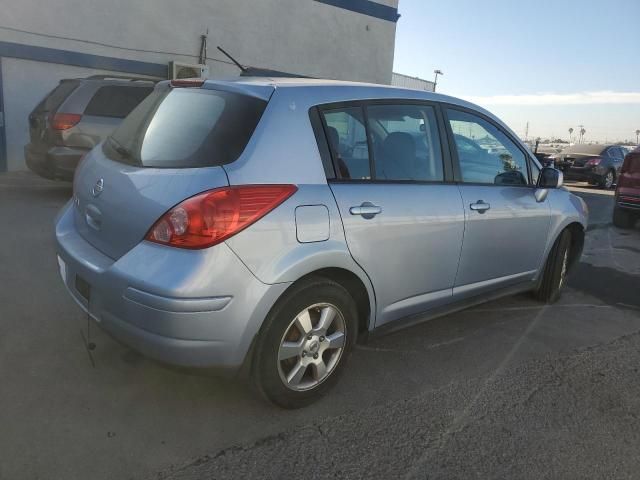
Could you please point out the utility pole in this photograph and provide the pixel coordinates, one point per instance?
(637, 136)
(435, 80)
(526, 132)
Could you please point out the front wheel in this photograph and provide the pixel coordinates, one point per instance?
(305, 342)
(555, 270)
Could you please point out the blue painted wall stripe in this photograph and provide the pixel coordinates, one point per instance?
(366, 7)
(87, 60)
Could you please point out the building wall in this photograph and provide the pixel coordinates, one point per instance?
(320, 38)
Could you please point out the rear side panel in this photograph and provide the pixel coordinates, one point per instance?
(284, 150)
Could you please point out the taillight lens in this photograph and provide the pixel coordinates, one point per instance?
(213, 216)
(592, 162)
(64, 121)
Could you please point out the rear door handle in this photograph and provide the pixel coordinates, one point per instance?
(366, 210)
(480, 206)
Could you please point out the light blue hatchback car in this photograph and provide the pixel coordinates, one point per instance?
(270, 223)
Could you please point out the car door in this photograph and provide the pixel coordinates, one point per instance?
(506, 228)
(403, 221)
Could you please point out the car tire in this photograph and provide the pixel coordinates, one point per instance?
(623, 219)
(295, 363)
(555, 270)
(608, 180)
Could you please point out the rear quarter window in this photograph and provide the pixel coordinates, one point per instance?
(186, 127)
(115, 101)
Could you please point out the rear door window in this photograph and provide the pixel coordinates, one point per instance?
(406, 141)
(116, 101)
(186, 127)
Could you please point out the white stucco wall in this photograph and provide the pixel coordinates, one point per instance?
(301, 36)
(298, 36)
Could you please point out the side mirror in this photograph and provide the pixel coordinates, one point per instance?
(550, 178)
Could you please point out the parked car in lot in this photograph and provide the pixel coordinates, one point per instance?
(271, 223)
(76, 116)
(596, 164)
(626, 211)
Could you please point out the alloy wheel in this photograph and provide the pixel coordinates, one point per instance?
(608, 180)
(311, 346)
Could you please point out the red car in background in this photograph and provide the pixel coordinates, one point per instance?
(627, 207)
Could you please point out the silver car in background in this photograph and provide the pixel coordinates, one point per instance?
(270, 223)
(75, 117)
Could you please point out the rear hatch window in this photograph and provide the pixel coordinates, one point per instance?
(185, 127)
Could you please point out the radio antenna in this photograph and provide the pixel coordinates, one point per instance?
(237, 64)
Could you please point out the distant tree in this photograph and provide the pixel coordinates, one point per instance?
(570, 133)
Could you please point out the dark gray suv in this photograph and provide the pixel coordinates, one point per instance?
(76, 116)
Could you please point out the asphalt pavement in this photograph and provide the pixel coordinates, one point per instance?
(508, 389)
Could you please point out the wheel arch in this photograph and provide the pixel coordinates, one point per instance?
(359, 288)
(577, 232)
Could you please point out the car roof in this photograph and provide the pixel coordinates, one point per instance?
(112, 79)
(325, 91)
(581, 148)
(263, 87)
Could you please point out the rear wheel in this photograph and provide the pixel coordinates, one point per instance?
(555, 270)
(608, 180)
(623, 218)
(305, 343)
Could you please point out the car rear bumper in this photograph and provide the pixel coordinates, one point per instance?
(628, 201)
(55, 163)
(583, 174)
(181, 307)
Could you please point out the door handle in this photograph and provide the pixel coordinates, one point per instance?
(366, 210)
(480, 206)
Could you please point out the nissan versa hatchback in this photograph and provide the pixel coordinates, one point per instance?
(272, 223)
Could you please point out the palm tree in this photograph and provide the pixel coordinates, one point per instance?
(582, 132)
(570, 132)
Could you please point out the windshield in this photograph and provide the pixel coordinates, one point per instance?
(185, 127)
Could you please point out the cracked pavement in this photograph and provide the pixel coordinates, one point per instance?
(574, 416)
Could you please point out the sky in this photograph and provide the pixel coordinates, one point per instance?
(555, 64)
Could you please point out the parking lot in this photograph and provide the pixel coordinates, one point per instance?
(509, 389)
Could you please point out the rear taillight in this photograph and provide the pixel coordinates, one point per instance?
(592, 162)
(211, 217)
(64, 121)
